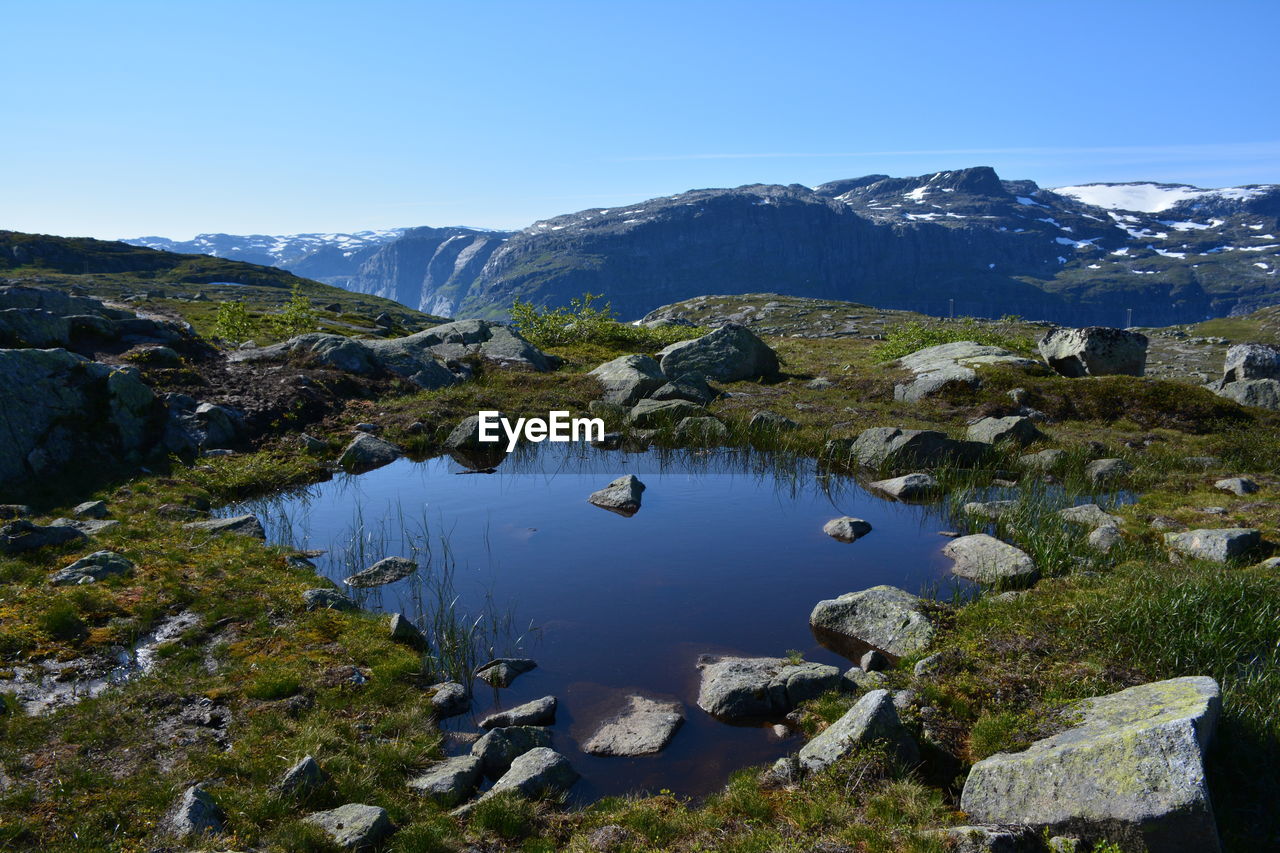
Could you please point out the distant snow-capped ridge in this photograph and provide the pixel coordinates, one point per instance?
(1154, 198)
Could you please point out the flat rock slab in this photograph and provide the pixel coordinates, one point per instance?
(354, 826)
(1016, 428)
(450, 781)
(1237, 485)
(93, 568)
(883, 617)
(19, 536)
(909, 487)
(760, 688)
(244, 525)
(500, 672)
(1217, 546)
(643, 727)
(872, 718)
(987, 560)
(846, 528)
(385, 571)
(539, 712)
(1089, 515)
(87, 526)
(621, 496)
(1134, 762)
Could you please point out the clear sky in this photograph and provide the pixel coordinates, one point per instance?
(123, 119)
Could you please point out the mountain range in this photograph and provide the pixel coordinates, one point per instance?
(962, 242)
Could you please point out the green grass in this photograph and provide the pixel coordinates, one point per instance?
(913, 335)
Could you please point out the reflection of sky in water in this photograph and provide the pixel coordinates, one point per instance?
(726, 555)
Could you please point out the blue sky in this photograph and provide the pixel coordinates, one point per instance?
(130, 118)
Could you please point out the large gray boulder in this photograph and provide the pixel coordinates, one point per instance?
(629, 378)
(883, 617)
(880, 447)
(409, 359)
(540, 772)
(1262, 393)
(644, 726)
(1016, 428)
(1217, 546)
(936, 367)
(1131, 771)
(499, 747)
(449, 782)
(60, 409)
(355, 826)
(727, 354)
(872, 718)
(1251, 361)
(366, 452)
(539, 712)
(987, 560)
(760, 688)
(1094, 351)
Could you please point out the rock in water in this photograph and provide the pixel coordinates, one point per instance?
(244, 525)
(385, 571)
(909, 487)
(643, 727)
(727, 354)
(872, 718)
(628, 379)
(1217, 546)
(1095, 351)
(760, 688)
(193, 815)
(354, 826)
(1133, 764)
(366, 452)
(987, 560)
(539, 712)
(500, 672)
(1016, 428)
(846, 528)
(621, 496)
(883, 617)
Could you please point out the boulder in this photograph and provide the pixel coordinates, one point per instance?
(621, 496)
(880, 447)
(354, 826)
(657, 413)
(1237, 485)
(1015, 428)
(95, 567)
(1130, 771)
(989, 509)
(402, 630)
(846, 528)
(1102, 472)
(302, 778)
(499, 747)
(629, 378)
(366, 452)
(643, 727)
(690, 387)
(1104, 538)
(1217, 546)
(500, 672)
(449, 699)
(760, 688)
(1262, 393)
(539, 712)
(770, 422)
(87, 526)
(727, 354)
(90, 509)
(882, 617)
(937, 367)
(385, 571)
(1044, 460)
(32, 327)
(333, 351)
(872, 718)
(987, 560)
(704, 431)
(22, 535)
(1094, 351)
(1251, 361)
(244, 525)
(494, 342)
(449, 782)
(1089, 515)
(540, 772)
(909, 487)
(327, 599)
(195, 814)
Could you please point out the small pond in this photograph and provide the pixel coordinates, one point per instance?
(725, 556)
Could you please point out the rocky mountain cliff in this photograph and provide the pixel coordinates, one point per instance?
(963, 242)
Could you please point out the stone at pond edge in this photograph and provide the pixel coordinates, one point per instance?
(194, 814)
(1016, 428)
(244, 525)
(657, 413)
(1090, 515)
(621, 496)
(905, 448)
(95, 567)
(1218, 546)
(846, 528)
(872, 718)
(353, 826)
(499, 747)
(1103, 472)
(385, 571)
(367, 452)
(702, 430)
(539, 712)
(909, 487)
(536, 773)
(330, 599)
(643, 727)
(449, 699)
(884, 617)
(1132, 767)
(500, 672)
(449, 782)
(765, 421)
(760, 688)
(987, 560)
(403, 630)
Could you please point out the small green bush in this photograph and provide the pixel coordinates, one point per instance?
(296, 318)
(232, 322)
(915, 335)
(583, 322)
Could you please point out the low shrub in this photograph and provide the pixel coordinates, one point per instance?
(582, 322)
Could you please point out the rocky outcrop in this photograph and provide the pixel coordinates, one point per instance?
(93, 568)
(644, 726)
(1261, 393)
(244, 525)
(872, 718)
(727, 354)
(1251, 361)
(22, 535)
(882, 617)
(760, 688)
(1095, 351)
(1130, 771)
